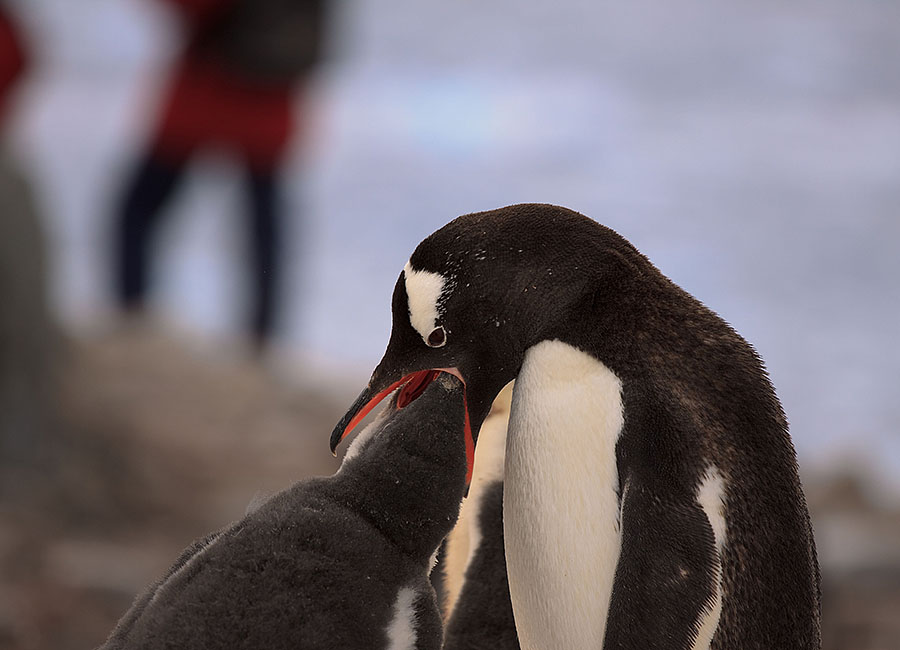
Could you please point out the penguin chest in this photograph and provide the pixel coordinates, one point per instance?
(561, 506)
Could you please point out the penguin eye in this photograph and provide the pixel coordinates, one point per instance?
(437, 338)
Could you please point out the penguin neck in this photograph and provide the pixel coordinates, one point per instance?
(408, 482)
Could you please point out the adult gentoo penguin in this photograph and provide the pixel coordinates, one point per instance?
(331, 563)
(652, 498)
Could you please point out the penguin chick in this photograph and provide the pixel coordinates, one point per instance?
(330, 563)
(478, 610)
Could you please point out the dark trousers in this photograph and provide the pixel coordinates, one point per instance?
(143, 209)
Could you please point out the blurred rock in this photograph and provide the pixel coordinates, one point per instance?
(858, 540)
(27, 338)
(860, 609)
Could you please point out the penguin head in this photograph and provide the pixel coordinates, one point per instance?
(474, 296)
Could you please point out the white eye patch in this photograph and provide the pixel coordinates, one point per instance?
(423, 292)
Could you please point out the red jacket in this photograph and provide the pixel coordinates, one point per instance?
(209, 103)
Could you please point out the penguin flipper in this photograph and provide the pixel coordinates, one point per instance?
(666, 591)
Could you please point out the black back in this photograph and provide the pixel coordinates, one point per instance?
(269, 41)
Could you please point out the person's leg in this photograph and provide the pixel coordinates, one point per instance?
(265, 250)
(261, 137)
(139, 215)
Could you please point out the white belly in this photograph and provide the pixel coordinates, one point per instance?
(561, 512)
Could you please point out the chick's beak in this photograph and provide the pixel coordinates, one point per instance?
(411, 386)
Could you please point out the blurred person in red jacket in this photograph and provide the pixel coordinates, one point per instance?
(233, 89)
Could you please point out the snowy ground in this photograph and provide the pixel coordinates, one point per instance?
(750, 149)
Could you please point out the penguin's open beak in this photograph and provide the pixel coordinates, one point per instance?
(411, 386)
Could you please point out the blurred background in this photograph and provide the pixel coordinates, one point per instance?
(198, 245)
